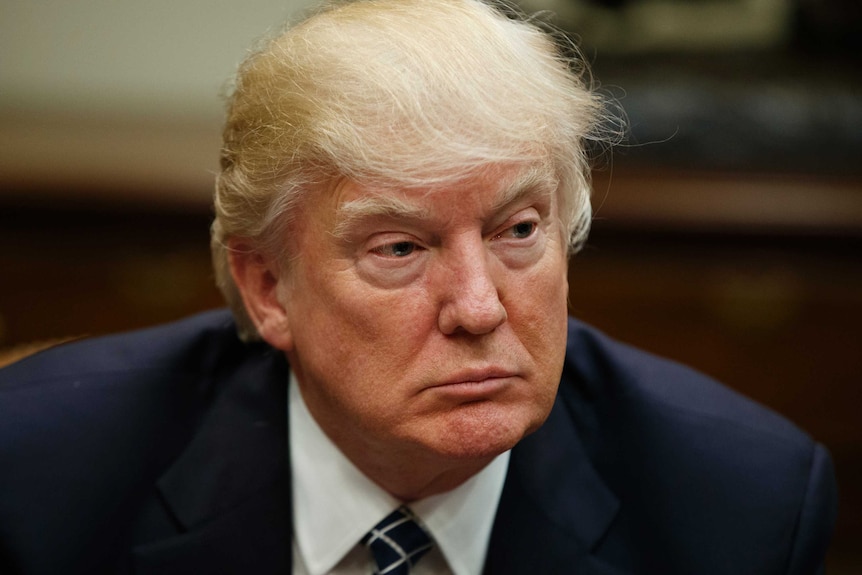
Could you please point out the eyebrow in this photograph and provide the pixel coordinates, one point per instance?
(376, 206)
(538, 180)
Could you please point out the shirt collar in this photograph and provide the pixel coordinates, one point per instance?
(335, 504)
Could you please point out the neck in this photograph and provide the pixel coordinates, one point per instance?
(406, 470)
(410, 479)
(409, 472)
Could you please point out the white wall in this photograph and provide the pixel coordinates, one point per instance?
(120, 95)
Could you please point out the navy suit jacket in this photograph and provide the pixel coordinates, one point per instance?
(164, 451)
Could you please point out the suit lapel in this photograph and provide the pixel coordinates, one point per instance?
(229, 491)
(554, 508)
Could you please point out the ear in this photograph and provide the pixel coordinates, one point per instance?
(258, 280)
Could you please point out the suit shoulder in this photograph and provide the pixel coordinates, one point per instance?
(601, 369)
(136, 383)
(184, 344)
(675, 447)
(88, 428)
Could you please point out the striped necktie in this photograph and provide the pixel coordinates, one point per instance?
(397, 543)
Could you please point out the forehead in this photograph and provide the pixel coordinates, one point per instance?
(491, 188)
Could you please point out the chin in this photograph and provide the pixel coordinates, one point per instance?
(484, 430)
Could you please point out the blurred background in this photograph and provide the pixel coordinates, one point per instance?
(728, 230)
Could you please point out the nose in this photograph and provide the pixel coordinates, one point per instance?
(471, 301)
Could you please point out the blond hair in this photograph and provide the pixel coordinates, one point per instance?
(400, 92)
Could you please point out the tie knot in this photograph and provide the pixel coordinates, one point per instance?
(397, 542)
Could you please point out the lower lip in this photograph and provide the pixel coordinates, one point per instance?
(473, 390)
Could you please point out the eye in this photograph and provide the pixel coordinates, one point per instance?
(519, 231)
(521, 239)
(396, 249)
(523, 229)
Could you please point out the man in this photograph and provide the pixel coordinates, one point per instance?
(402, 183)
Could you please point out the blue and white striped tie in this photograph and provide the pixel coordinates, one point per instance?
(397, 543)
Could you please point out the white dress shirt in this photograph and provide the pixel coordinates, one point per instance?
(335, 505)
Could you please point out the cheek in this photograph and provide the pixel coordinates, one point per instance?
(541, 294)
(349, 329)
(386, 322)
(538, 313)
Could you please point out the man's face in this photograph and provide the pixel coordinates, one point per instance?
(429, 323)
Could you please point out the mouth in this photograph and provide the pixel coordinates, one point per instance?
(475, 384)
(479, 375)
